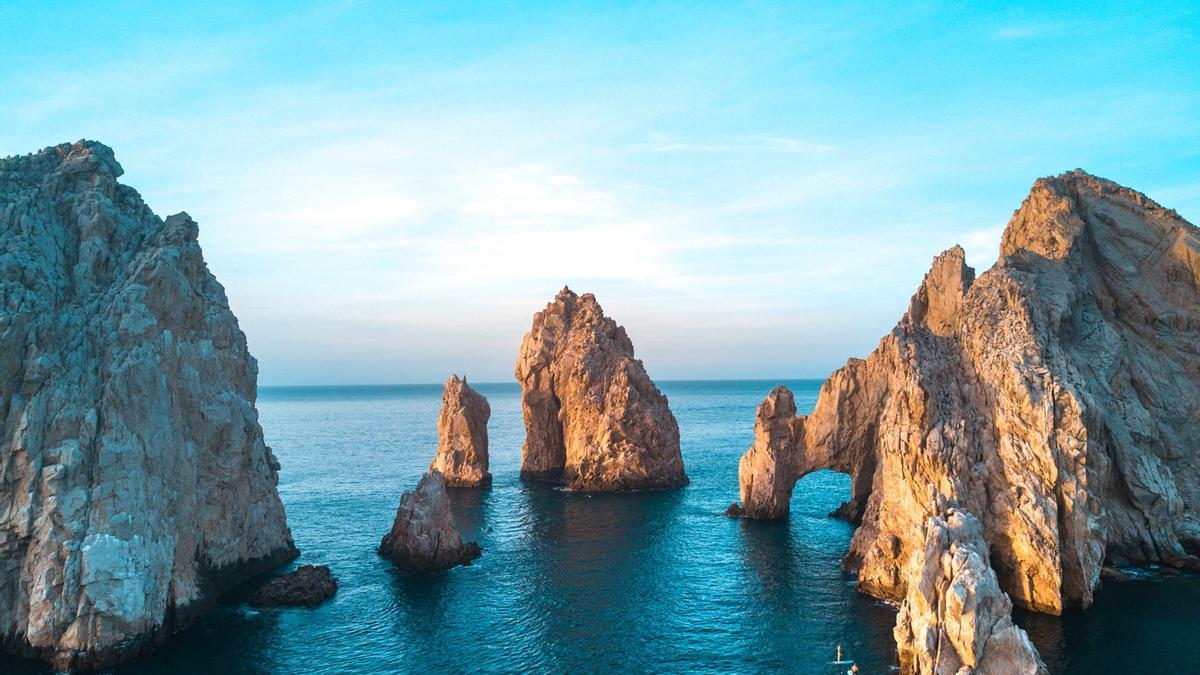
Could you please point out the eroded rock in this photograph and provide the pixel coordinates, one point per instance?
(1057, 395)
(135, 486)
(954, 617)
(462, 453)
(423, 537)
(306, 586)
(593, 418)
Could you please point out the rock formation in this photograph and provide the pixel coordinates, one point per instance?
(462, 452)
(1057, 397)
(423, 537)
(306, 586)
(593, 418)
(955, 618)
(135, 486)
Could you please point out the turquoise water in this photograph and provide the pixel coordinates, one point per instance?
(653, 582)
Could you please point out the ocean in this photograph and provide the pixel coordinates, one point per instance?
(648, 582)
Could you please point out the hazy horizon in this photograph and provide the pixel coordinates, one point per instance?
(388, 193)
(515, 383)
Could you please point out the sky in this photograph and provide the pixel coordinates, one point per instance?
(389, 191)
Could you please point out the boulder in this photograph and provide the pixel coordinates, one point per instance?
(306, 586)
(423, 537)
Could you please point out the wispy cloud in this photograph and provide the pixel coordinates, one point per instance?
(389, 192)
(1031, 30)
(753, 143)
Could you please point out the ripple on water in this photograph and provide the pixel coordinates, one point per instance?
(657, 581)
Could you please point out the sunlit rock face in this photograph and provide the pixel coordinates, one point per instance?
(462, 452)
(134, 482)
(954, 617)
(593, 418)
(1056, 396)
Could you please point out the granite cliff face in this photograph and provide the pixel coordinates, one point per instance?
(134, 482)
(1056, 397)
(423, 537)
(593, 418)
(462, 452)
(955, 618)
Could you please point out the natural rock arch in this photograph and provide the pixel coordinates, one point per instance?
(1056, 398)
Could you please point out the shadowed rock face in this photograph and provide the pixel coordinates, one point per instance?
(462, 452)
(423, 537)
(306, 586)
(954, 615)
(134, 482)
(593, 418)
(1057, 397)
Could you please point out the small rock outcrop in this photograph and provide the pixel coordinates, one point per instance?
(135, 486)
(594, 420)
(306, 586)
(462, 452)
(423, 537)
(1057, 396)
(954, 617)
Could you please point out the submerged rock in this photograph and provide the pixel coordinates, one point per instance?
(593, 418)
(306, 586)
(1057, 395)
(462, 452)
(135, 484)
(955, 618)
(423, 537)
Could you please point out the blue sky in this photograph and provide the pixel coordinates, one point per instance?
(389, 191)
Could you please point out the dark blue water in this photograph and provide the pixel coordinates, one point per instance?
(567, 582)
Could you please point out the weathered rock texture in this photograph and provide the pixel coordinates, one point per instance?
(306, 586)
(955, 618)
(134, 482)
(423, 537)
(593, 418)
(462, 452)
(1057, 397)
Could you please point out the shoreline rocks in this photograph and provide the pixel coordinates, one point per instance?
(462, 452)
(423, 537)
(954, 617)
(137, 485)
(306, 586)
(594, 420)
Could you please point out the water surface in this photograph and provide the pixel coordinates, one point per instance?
(651, 582)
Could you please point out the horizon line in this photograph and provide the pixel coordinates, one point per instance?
(439, 384)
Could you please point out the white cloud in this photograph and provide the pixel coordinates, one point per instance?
(663, 143)
(531, 191)
(1030, 31)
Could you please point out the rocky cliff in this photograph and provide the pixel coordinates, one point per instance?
(423, 537)
(134, 482)
(1056, 397)
(462, 452)
(593, 418)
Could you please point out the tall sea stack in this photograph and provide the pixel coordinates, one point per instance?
(462, 452)
(593, 418)
(135, 485)
(1056, 398)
